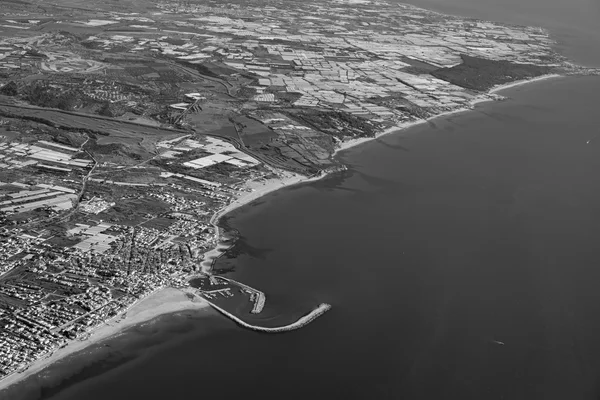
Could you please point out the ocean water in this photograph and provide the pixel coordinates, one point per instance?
(460, 258)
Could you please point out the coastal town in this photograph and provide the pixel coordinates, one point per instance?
(127, 131)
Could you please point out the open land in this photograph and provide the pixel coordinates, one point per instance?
(129, 129)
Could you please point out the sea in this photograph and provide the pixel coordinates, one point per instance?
(460, 256)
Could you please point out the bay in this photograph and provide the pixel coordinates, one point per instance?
(459, 256)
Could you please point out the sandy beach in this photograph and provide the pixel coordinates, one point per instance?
(165, 300)
(400, 127)
(162, 301)
(499, 88)
(483, 98)
(259, 189)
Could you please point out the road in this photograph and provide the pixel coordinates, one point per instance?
(66, 325)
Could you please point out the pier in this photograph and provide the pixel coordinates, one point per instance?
(259, 303)
(257, 296)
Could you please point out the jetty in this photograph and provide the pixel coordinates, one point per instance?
(259, 302)
(302, 321)
(256, 296)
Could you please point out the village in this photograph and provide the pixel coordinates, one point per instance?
(70, 261)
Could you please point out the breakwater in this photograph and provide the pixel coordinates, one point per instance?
(259, 303)
(302, 321)
(257, 296)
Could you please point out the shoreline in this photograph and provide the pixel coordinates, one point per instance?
(167, 300)
(499, 88)
(290, 179)
(170, 300)
(489, 96)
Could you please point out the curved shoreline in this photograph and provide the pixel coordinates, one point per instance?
(291, 180)
(301, 322)
(165, 300)
(212, 255)
(484, 97)
(489, 96)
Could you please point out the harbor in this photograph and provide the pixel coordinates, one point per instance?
(244, 304)
(303, 321)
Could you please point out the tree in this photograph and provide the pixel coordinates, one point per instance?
(10, 89)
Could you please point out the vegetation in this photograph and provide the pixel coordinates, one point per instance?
(44, 95)
(337, 123)
(481, 74)
(109, 109)
(10, 89)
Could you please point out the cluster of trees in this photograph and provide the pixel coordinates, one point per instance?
(108, 109)
(44, 95)
(10, 89)
(330, 122)
(481, 74)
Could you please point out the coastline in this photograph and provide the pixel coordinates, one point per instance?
(166, 300)
(170, 300)
(489, 96)
(499, 88)
(291, 179)
(259, 190)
